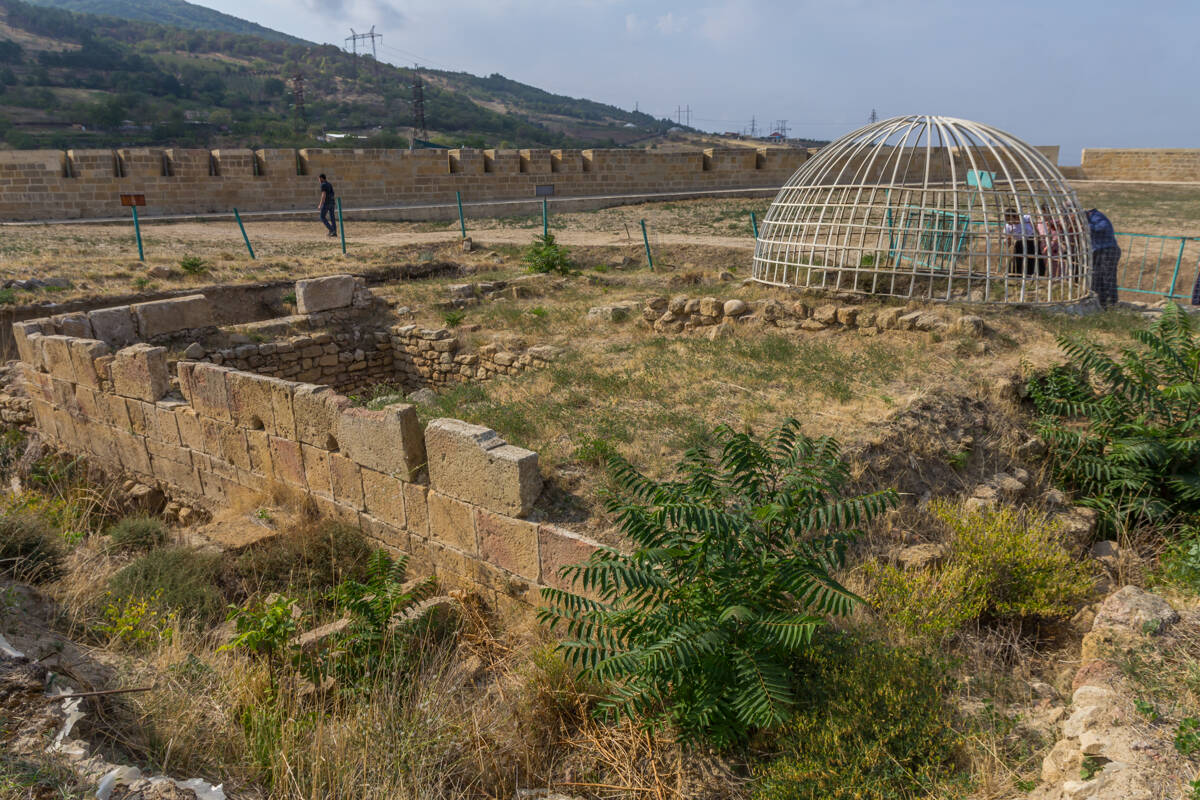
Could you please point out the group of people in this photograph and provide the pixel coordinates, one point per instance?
(1038, 247)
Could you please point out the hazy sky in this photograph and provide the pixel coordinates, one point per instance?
(1078, 73)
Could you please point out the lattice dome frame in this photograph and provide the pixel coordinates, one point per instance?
(928, 207)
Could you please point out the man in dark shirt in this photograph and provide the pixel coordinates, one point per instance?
(326, 206)
(1105, 257)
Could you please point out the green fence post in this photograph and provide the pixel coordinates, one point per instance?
(245, 238)
(341, 226)
(754, 224)
(545, 219)
(646, 240)
(137, 230)
(462, 222)
(1178, 263)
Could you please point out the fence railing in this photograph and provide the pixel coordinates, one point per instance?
(1161, 266)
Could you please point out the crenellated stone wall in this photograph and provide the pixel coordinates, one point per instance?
(455, 496)
(52, 184)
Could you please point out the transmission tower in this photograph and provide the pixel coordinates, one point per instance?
(873, 118)
(684, 113)
(352, 42)
(418, 105)
(298, 95)
(753, 128)
(782, 126)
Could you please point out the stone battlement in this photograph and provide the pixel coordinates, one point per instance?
(455, 496)
(73, 184)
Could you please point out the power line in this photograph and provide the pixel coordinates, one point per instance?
(354, 38)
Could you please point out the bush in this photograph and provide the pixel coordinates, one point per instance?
(180, 579)
(30, 549)
(1179, 563)
(311, 560)
(547, 255)
(874, 723)
(1124, 435)
(138, 533)
(193, 265)
(1001, 565)
(728, 579)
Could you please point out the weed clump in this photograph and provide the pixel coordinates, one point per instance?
(1002, 565)
(180, 579)
(547, 255)
(309, 561)
(193, 265)
(138, 533)
(874, 723)
(30, 549)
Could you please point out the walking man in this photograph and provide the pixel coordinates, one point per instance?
(326, 206)
(1106, 254)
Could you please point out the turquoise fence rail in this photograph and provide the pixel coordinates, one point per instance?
(1159, 266)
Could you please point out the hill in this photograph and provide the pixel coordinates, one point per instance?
(178, 13)
(69, 79)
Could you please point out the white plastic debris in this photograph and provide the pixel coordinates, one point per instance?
(8, 649)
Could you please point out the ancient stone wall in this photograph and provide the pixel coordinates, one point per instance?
(455, 496)
(1141, 165)
(51, 184)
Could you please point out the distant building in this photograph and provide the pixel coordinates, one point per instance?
(776, 136)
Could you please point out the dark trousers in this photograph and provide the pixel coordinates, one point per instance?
(1027, 258)
(327, 217)
(1104, 274)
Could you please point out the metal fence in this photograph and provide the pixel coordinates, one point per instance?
(1159, 266)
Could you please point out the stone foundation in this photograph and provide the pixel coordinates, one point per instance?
(456, 497)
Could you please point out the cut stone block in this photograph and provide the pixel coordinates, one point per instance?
(114, 326)
(388, 441)
(250, 401)
(451, 523)
(511, 544)
(281, 407)
(74, 325)
(206, 390)
(346, 477)
(259, 445)
(161, 317)
(416, 509)
(316, 409)
(288, 461)
(473, 463)
(557, 548)
(84, 353)
(56, 357)
(21, 333)
(384, 498)
(140, 371)
(316, 470)
(323, 294)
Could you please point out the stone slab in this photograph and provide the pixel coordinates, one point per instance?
(114, 326)
(557, 548)
(384, 498)
(323, 294)
(473, 463)
(388, 440)
(509, 543)
(160, 317)
(140, 371)
(451, 522)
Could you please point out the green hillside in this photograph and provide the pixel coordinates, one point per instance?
(178, 13)
(78, 80)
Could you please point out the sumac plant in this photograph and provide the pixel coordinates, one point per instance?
(729, 576)
(1123, 433)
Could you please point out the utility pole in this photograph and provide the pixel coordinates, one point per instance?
(298, 95)
(352, 41)
(753, 128)
(418, 105)
(873, 118)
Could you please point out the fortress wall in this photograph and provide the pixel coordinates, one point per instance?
(50, 184)
(454, 496)
(1141, 164)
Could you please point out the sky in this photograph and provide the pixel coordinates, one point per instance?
(1076, 73)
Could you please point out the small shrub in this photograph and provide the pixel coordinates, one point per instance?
(8, 297)
(30, 548)
(193, 265)
(141, 282)
(453, 318)
(1001, 565)
(289, 298)
(137, 621)
(1124, 434)
(1179, 563)
(265, 626)
(1090, 767)
(138, 533)
(595, 451)
(180, 579)
(1187, 736)
(728, 579)
(873, 723)
(311, 560)
(547, 255)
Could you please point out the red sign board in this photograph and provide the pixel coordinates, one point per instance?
(133, 199)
